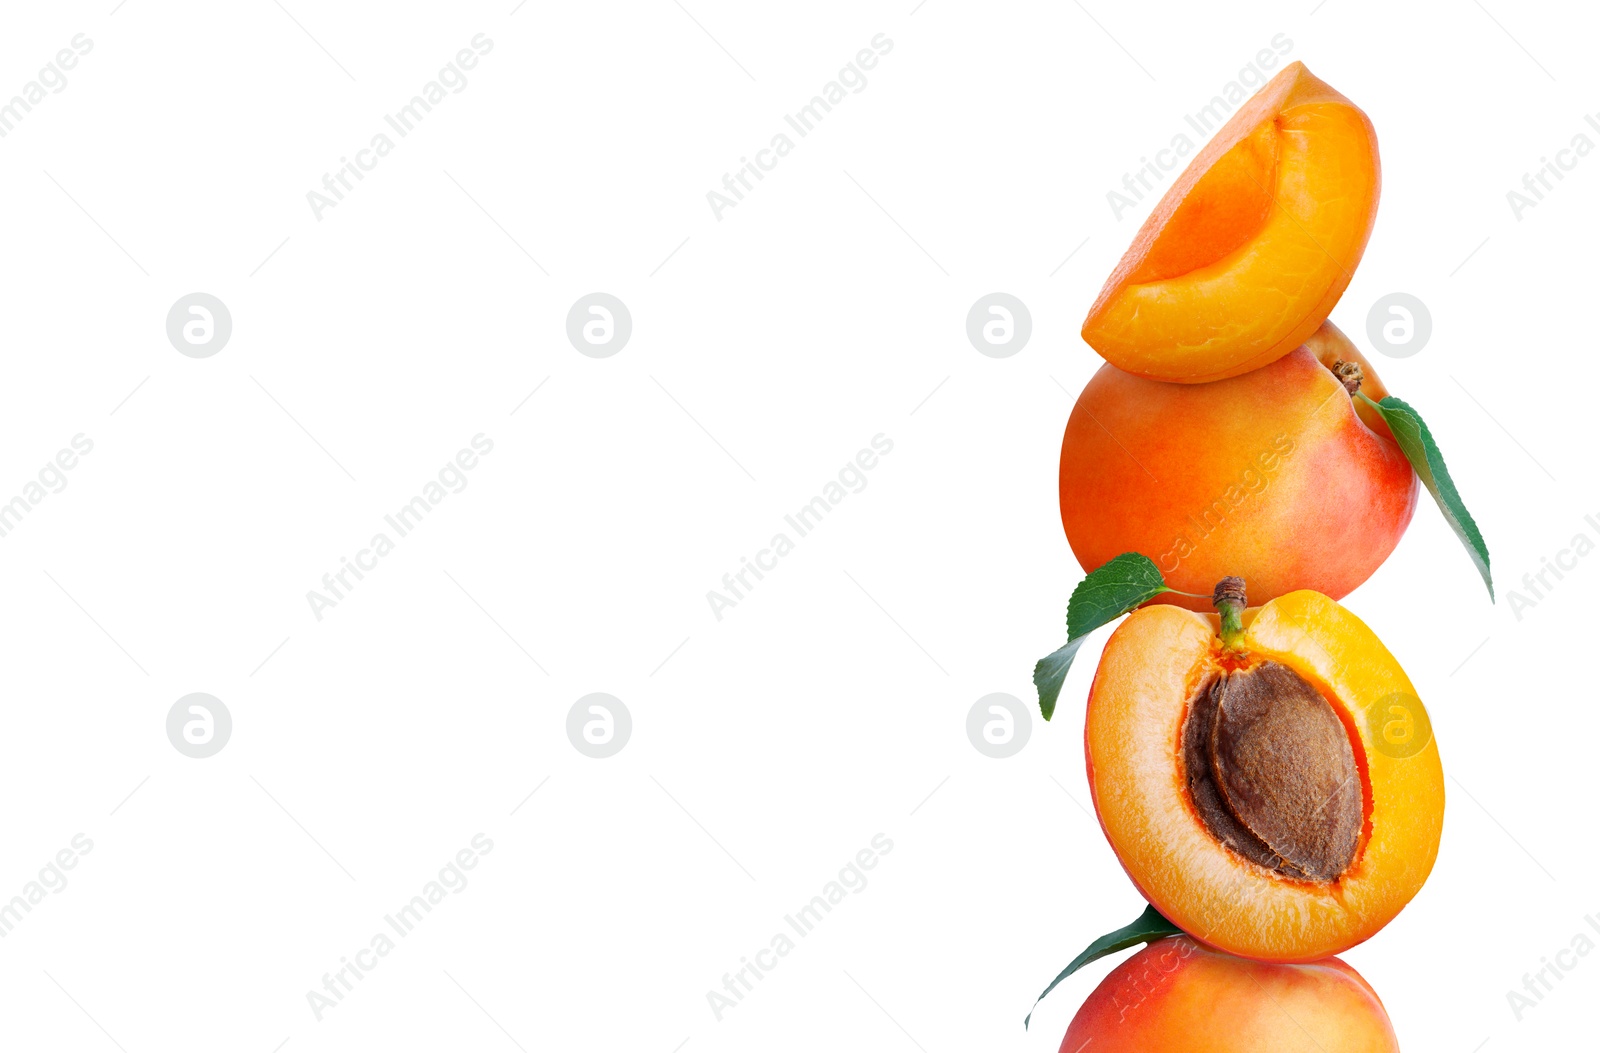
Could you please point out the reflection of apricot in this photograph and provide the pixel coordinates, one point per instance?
(1250, 249)
(1176, 996)
(1278, 476)
(1252, 790)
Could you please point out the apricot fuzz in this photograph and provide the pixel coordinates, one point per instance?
(1281, 475)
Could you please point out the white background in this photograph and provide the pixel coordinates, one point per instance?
(767, 348)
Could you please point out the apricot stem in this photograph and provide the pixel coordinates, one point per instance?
(1350, 374)
(1230, 602)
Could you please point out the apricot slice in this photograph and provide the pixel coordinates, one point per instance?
(1274, 790)
(1176, 996)
(1280, 475)
(1251, 247)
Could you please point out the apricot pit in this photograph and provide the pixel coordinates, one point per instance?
(1272, 773)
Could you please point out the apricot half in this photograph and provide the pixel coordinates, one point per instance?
(1280, 475)
(1249, 250)
(1275, 790)
(1175, 996)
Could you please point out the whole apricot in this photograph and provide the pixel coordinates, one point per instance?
(1269, 779)
(1251, 247)
(1280, 475)
(1176, 996)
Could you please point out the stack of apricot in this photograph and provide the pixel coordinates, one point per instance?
(1265, 774)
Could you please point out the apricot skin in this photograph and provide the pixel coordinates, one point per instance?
(1276, 476)
(1150, 669)
(1175, 996)
(1252, 246)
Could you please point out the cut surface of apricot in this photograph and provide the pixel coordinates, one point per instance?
(1310, 816)
(1175, 996)
(1226, 207)
(1279, 476)
(1251, 247)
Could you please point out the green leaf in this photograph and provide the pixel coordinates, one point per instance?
(1416, 442)
(1149, 927)
(1110, 591)
(1050, 672)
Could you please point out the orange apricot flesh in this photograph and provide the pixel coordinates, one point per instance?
(1153, 669)
(1175, 996)
(1279, 476)
(1248, 251)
